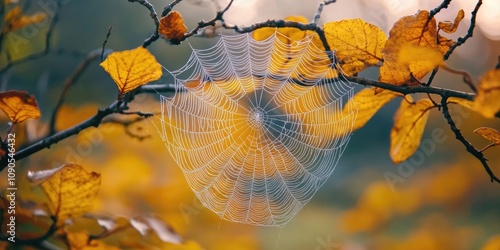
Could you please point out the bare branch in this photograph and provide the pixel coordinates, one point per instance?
(403, 89)
(466, 76)
(169, 7)
(436, 10)
(93, 121)
(156, 21)
(459, 41)
(468, 146)
(320, 9)
(470, 31)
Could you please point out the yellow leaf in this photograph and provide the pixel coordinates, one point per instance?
(493, 243)
(408, 128)
(288, 34)
(368, 103)
(450, 27)
(172, 26)
(462, 102)
(71, 190)
(427, 57)
(489, 134)
(132, 68)
(289, 46)
(488, 94)
(412, 31)
(357, 44)
(14, 19)
(19, 106)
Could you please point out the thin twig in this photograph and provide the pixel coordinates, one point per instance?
(169, 7)
(466, 76)
(156, 21)
(94, 55)
(436, 10)
(488, 146)
(468, 146)
(138, 113)
(470, 31)
(317, 16)
(459, 41)
(105, 42)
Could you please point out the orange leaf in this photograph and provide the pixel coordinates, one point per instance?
(426, 57)
(493, 243)
(410, 32)
(172, 26)
(19, 106)
(14, 19)
(488, 94)
(368, 103)
(288, 48)
(70, 189)
(450, 27)
(132, 68)
(489, 134)
(357, 44)
(408, 129)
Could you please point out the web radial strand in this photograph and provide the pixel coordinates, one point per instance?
(257, 126)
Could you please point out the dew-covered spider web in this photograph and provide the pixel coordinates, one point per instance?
(257, 126)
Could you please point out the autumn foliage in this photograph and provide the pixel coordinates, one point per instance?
(58, 204)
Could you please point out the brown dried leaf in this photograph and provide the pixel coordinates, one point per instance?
(412, 32)
(489, 134)
(450, 27)
(408, 129)
(19, 106)
(172, 26)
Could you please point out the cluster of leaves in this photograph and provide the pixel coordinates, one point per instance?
(14, 19)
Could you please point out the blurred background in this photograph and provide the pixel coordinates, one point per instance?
(440, 199)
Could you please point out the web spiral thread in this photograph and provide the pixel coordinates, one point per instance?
(257, 126)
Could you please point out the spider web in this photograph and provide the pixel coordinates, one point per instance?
(257, 126)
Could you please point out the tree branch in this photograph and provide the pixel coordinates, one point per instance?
(93, 121)
(459, 41)
(156, 21)
(468, 146)
(403, 89)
